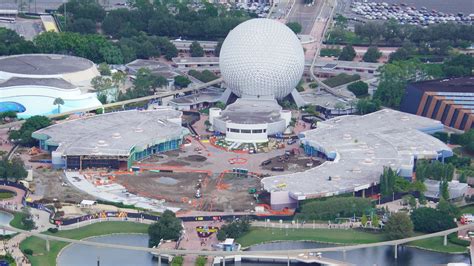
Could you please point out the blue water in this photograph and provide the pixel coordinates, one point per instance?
(11, 106)
(81, 255)
(31, 105)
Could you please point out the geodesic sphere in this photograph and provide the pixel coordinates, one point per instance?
(261, 57)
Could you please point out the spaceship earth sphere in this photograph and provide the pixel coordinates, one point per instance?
(261, 57)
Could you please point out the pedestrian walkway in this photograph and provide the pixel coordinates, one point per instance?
(13, 248)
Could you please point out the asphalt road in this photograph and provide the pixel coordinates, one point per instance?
(305, 15)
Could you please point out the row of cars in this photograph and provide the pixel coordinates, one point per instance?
(405, 14)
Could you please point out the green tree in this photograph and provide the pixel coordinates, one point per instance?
(104, 69)
(196, 50)
(181, 81)
(359, 88)
(85, 9)
(235, 229)
(429, 220)
(448, 208)
(333, 208)
(393, 79)
(23, 135)
(444, 190)
(365, 106)
(372, 55)
(82, 25)
(458, 66)
(463, 177)
(375, 221)
(168, 227)
(398, 226)
(8, 115)
(369, 30)
(467, 140)
(12, 43)
(58, 102)
(295, 27)
(348, 53)
(217, 50)
(363, 220)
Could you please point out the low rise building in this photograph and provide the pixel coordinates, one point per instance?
(112, 140)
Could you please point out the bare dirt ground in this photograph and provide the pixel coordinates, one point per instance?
(217, 194)
(50, 184)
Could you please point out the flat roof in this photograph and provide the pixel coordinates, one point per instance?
(252, 111)
(43, 64)
(195, 60)
(114, 134)
(210, 95)
(464, 84)
(48, 82)
(348, 64)
(361, 146)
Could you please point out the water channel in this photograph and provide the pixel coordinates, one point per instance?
(80, 255)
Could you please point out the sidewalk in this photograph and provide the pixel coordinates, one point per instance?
(13, 247)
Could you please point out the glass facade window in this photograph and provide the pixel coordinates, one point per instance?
(247, 131)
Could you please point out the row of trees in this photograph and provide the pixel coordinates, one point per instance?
(91, 46)
(234, 229)
(168, 227)
(12, 169)
(391, 182)
(434, 170)
(437, 35)
(23, 135)
(331, 208)
(204, 76)
(176, 20)
(423, 219)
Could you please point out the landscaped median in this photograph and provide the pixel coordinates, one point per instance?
(259, 235)
(42, 257)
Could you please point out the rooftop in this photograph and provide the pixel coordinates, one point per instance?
(361, 146)
(195, 60)
(209, 95)
(262, 111)
(113, 134)
(43, 64)
(47, 82)
(154, 66)
(465, 84)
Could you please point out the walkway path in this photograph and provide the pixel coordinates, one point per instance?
(12, 247)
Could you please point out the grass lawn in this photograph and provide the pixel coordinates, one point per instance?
(338, 236)
(436, 244)
(467, 209)
(16, 221)
(42, 257)
(7, 195)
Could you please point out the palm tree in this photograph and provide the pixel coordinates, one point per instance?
(58, 101)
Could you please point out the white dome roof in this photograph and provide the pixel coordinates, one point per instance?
(261, 57)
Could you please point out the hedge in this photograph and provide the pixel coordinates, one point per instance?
(341, 79)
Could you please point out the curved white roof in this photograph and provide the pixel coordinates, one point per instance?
(361, 146)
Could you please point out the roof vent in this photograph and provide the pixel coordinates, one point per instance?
(116, 136)
(404, 118)
(347, 136)
(101, 143)
(138, 129)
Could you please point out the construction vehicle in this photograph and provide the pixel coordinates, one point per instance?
(28, 185)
